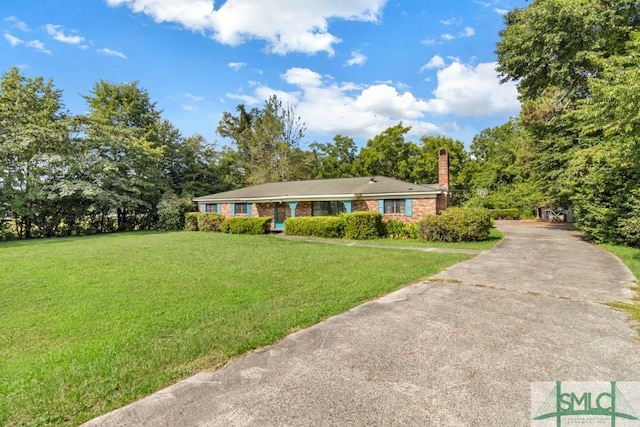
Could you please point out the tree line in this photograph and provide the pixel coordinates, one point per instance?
(577, 66)
(121, 166)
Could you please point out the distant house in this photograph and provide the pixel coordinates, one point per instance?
(393, 198)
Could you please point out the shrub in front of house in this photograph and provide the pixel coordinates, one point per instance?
(363, 225)
(331, 227)
(171, 211)
(412, 230)
(395, 229)
(456, 225)
(191, 221)
(242, 225)
(398, 230)
(209, 221)
(504, 213)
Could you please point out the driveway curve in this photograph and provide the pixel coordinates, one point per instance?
(459, 350)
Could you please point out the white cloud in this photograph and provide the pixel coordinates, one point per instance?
(436, 62)
(57, 34)
(468, 32)
(245, 99)
(451, 21)
(357, 58)
(236, 66)
(17, 24)
(39, 46)
(13, 40)
(188, 107)
(111, 52)
(363, 111)
(430, 42)
(194, 98)
(286, 25)
(346, 108)
(501, 11)
(385, 100)
(34, 44)
(302, 77)
(465, 90)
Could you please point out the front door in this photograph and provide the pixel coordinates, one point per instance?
(279, 215)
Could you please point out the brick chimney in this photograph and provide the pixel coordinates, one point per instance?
(443, 168)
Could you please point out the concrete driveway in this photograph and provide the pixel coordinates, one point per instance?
(460, 350)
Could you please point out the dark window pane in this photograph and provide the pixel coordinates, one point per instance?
(394, 206)
(327, 208)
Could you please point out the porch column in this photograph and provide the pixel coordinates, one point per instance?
(292, 206)
(348, 206)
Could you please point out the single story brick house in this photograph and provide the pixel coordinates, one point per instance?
(393, 198)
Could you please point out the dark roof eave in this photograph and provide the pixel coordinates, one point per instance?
(321, 197)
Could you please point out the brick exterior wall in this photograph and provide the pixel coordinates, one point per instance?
(225, 210)
(423, 207)
(304, 209)
(442, 202)
(264, 209)
(364, 206)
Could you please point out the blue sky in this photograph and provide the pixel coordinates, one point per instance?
(350, 67)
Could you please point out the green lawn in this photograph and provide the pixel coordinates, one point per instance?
(631, 258)
(90, 324)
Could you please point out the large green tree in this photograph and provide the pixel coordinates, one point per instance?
(267, 140)
(123, 129)
(32, 139)
(388, 154)
(553, 43)
(604, 174)
(335, 159)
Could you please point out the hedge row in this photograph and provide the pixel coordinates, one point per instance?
(199, 221)
(355, 226)
(504, 213)
(456, 225)
(209, 222)
(363, 226)
(315, 226)
(241, 225)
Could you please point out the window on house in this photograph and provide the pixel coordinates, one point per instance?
(240, 209)
(210, 208)
(394, 206)
(327, 208)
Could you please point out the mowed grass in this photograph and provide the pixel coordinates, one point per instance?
(90, 324)
(631, 258)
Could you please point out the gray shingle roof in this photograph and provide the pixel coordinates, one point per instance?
(327, 189)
